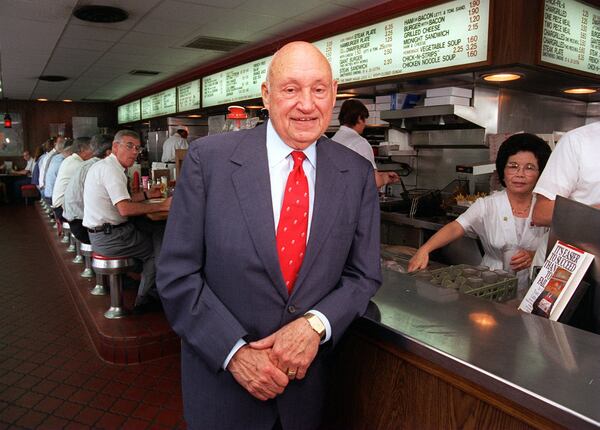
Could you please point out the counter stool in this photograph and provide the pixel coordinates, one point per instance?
(65, 231)
(114, 268)
(78, 257)
(72, 245)
(29, 191)
(86, 251)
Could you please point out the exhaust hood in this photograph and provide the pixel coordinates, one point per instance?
(449, 126)
(434, 117)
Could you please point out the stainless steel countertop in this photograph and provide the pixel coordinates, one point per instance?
(404, 219)
(546, 366)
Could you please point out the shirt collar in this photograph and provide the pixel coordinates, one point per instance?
(277, 150)
(112, 158)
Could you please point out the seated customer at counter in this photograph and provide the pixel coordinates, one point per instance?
(502, 220)
(108, 206)
(101, 146)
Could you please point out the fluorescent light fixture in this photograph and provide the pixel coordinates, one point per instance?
(42, 100)
(67, 100)
(502, 77)
(580, 91)
(345, 95)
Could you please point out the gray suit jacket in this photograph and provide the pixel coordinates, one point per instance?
(219, 276)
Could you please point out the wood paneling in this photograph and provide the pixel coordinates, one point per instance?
(379, 387)
(37, 117)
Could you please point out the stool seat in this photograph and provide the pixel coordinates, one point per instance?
(114, 268)
(86, 249)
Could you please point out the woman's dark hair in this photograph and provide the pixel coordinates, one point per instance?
(351, 111)
(522, 142)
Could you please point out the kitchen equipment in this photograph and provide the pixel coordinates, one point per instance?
(470, 171)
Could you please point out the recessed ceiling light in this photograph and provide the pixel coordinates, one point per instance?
(254, 107)
(53, 78)
(342, 95)
(580, 90)
(103, 14)
(42, 100)
(194, 116)
(67, 100)
(502, 77)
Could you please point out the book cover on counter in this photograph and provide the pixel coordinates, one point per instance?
(556, 283)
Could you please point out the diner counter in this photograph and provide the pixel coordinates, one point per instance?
(543, 366)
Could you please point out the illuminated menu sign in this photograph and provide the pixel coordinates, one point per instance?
(188, 96)
(451, 34)
(162, 103)
(571, 35)
(236, 84)
(129, 112)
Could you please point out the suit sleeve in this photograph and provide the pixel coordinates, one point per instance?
(361, 275)
(194, 311)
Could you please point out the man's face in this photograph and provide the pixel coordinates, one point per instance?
(26, 155)
(126, 150)
(300, 94)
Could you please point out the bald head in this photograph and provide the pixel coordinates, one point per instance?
(300, 51)
(299, 94)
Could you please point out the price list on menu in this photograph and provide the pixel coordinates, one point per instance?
(162, 103)
(571, 35)
(236, 84)
(129, 112)
(188, 96)
(450, 34)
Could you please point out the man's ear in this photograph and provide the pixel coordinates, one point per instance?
(264, 89)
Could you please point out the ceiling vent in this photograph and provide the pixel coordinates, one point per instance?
(144, 72)
(52, 78)
(101, 14)
(214, 44)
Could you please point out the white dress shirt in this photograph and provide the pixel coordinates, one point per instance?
(351, 139)
(105, 186)
(65, 173)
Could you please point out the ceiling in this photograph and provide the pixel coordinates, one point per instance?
(42, 37)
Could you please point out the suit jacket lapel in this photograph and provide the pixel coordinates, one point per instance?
(253, 189)
(329, 192)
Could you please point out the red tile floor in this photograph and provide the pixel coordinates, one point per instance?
(50, 374)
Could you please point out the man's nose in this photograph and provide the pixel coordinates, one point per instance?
(306, 101)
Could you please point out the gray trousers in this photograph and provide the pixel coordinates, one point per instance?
(128, 241)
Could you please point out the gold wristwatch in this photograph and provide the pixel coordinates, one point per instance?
(316, 324)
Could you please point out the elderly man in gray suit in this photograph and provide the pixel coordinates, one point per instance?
(271, 250)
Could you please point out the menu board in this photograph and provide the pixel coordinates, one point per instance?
(450, 34)
(571, 35)
(162, 103)
(129, 112)
(236, 84)
(188, 96)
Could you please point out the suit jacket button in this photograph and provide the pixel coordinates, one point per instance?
(291, 309)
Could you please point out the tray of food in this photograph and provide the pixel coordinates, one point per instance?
(480, 281)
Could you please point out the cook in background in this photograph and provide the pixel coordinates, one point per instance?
(353, 119)
(502, 220)
(176, 141)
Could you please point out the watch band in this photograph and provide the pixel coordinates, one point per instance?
(316, 324)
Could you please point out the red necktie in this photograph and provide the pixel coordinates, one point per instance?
(293, 222)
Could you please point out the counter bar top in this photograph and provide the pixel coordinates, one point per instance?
(547, 367)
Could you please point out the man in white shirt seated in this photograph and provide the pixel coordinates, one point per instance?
(26, 171)
(177, 141)
(101, 145)
(353, 119)
(108, 206)
(81, 151)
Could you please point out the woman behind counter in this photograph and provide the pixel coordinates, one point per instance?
(502, 220)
